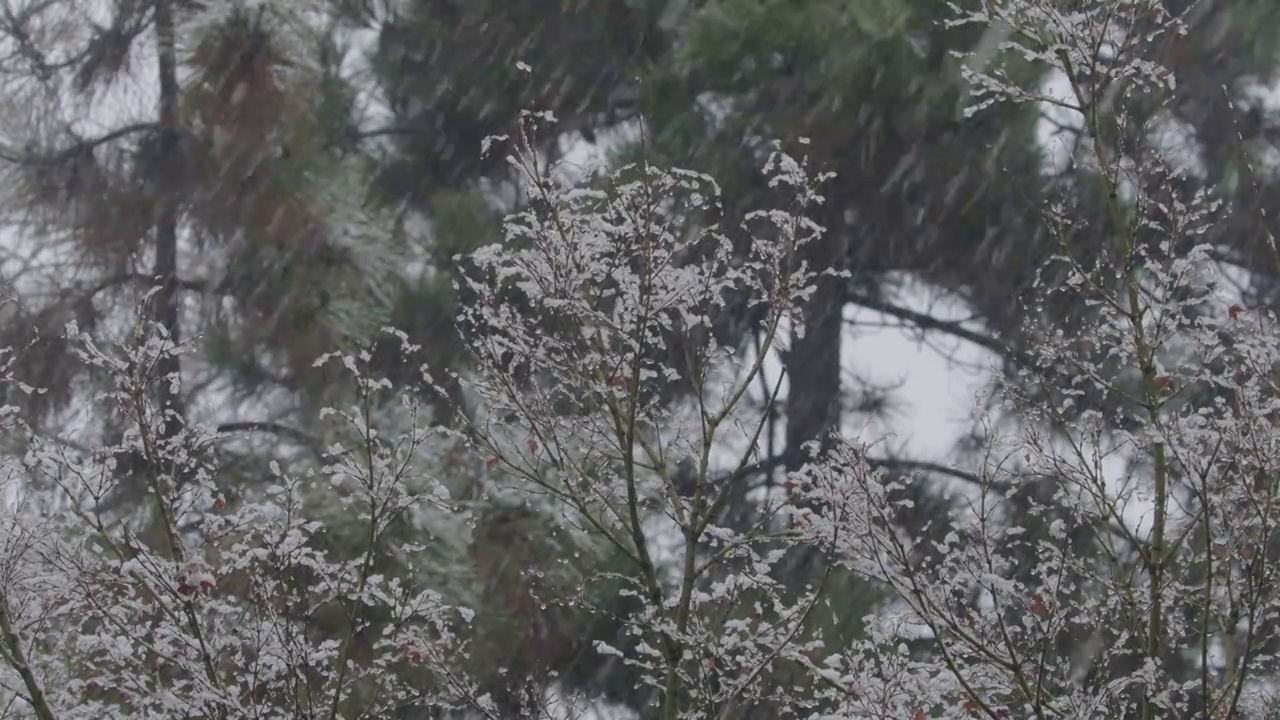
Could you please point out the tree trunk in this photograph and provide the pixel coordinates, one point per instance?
(166, 301)
(813, 405)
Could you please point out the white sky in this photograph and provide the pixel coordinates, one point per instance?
(939, 379)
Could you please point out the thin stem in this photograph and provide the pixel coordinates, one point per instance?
(17, 659)
(1145, 356)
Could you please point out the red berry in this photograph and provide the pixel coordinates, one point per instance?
(410, 652)
(195, 579)
(1038, 606)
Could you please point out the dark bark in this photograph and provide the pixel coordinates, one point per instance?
(166, 301)
(813, 402)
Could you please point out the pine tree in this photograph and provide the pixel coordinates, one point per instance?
(193, 147)
(177, 173)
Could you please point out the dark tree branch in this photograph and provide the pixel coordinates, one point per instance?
(199, 286)
(273, 428)
(895, 464)
(15, 26)
(77, 148)
(928, 322)
(385, 132)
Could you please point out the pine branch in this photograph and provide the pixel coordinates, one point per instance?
(928, 322)
(266, 426)
(79, 148)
